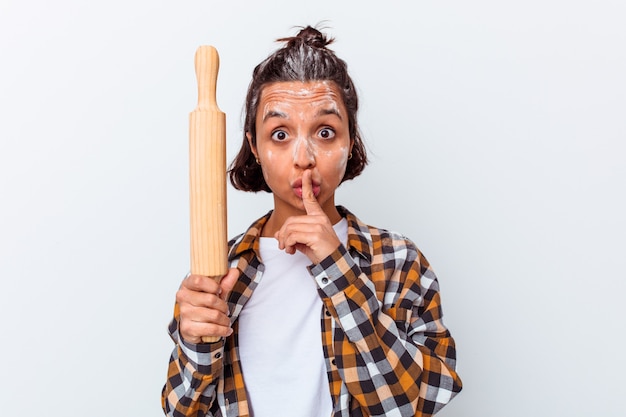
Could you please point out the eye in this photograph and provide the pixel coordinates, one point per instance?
(326, 133)
(279, 135)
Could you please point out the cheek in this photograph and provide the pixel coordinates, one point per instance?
(268, 158)
(345, 152)
(338, 160)
(342, 163)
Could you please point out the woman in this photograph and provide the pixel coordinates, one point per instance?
(319, 314)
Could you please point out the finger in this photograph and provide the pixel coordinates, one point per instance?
(201, 283)
(315, 240)
(198, 299)
(193, 332)
(198, 316)
(308, 197)
(295, 237)
(307, 225)
(228, 282)
(281, 243)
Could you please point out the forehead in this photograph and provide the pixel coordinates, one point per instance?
(298, 92)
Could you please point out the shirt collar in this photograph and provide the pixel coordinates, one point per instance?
(248, 241)
(359, 236)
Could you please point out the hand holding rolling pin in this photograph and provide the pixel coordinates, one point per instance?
(203, 308)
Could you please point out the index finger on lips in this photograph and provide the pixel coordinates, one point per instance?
(308, 197)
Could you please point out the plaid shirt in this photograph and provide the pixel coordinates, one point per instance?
(386, 348)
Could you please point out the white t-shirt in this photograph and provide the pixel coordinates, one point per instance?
(280, 341)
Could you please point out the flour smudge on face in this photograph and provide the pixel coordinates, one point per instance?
(302, 126)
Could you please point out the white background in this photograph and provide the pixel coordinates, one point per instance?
(496, 132)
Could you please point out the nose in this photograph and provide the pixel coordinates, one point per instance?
(303, 153)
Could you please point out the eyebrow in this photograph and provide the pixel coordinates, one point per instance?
(329, 111)
(274, 113)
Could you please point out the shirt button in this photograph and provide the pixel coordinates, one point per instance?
(324, 280)
(333, 362)
(218, 355)
(328, 313)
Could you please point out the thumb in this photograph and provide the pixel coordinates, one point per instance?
(228, 281)
(308, 197)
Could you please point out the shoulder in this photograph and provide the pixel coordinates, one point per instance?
(375, 241)
(390, 257)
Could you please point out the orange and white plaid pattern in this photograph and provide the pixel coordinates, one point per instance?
(387, 350)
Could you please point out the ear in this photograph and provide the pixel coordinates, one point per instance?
(252, 147)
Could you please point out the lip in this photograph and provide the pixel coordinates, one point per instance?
(297, 187)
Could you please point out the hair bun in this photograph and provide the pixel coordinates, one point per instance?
(313, 37)
(308, 36)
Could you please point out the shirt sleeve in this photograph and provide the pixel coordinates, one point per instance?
(394, 353)
(192, 376)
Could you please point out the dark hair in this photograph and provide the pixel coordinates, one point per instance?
(305, 57)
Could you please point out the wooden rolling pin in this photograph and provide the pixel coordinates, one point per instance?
(207, 174)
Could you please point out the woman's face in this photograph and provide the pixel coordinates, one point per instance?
(300, 126)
